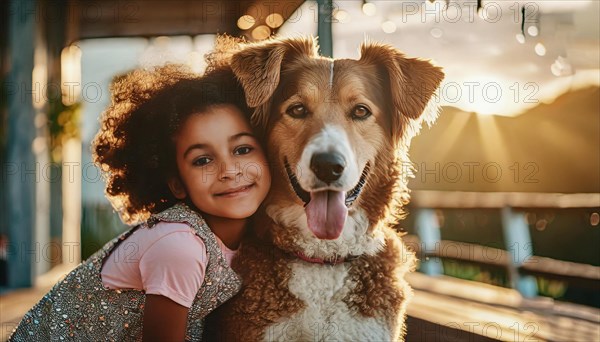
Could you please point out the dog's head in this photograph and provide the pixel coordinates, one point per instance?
(336, 132)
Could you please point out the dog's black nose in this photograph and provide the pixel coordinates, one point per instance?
(327, 166)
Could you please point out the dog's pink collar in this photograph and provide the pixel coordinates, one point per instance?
(319, 260)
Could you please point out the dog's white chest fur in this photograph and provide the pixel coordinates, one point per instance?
(326, 317)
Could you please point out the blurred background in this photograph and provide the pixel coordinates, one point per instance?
(505, 211)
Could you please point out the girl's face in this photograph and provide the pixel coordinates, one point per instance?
(222, 167)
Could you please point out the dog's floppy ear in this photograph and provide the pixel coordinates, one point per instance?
(258, 66)
(412, 81)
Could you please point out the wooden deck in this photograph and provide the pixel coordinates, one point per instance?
(14, 304)
(456, 307)
(443, 309)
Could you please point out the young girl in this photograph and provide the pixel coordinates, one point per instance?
(180, 155)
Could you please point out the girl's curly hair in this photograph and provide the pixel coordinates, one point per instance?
(134, 147)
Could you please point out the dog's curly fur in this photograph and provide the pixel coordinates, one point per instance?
(285, 297)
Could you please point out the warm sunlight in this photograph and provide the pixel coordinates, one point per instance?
(495, 95)
(486, 95)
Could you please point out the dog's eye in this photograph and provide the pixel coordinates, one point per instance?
(297, 111)
(361, 112)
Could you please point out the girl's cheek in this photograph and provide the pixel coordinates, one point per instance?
(209, 170)
(250, 172)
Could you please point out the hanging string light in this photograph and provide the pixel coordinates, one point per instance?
(533, 31)
(369, 8)
(261, 32)
(246, 22)
(540, 49)
(274, 20)
(341, 16)
(388, 26)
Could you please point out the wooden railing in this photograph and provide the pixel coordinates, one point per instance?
(478, 200)
(575, 273)
(523, 264)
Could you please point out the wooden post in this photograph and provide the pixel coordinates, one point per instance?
(3, 122)
(428, 229)
(41, 146)
(20, 169)
(55, 35)
(71, 183)
(325, 8)
(518, 244)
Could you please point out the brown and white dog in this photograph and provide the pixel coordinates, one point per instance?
(327, 262)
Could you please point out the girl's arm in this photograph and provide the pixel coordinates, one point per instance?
(172, 271)
(164, 320)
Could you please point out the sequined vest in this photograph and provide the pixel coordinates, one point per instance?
(80, 308)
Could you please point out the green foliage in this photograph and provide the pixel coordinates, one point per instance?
(555, 289)
(551, 288)
(99, 224)
(63, 124)
(475, 272)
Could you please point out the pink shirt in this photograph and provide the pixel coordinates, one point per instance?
(168, 260)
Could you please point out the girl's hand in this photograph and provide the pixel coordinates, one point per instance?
(164, 320)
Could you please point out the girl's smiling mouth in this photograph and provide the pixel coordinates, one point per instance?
(236, 191)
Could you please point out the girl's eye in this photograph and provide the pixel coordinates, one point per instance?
(297, 111)
(201, 161)
(361, 112)
(243, 150)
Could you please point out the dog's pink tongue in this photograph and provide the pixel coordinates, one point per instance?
(326, 213)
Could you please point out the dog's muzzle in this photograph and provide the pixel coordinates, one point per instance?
(304, 195)
(326, 210)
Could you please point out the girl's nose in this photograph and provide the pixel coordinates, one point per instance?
(229, 169)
